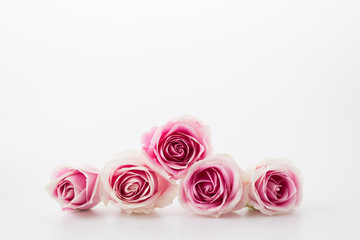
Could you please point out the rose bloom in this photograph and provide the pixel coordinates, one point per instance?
(75, 188)
(275, 186)
(129, 183)
(177, 145)
(214, 186)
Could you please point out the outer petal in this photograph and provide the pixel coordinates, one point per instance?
(147, 138)
(245, 179)
(93, 178)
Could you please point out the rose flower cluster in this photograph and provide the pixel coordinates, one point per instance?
(177, 160)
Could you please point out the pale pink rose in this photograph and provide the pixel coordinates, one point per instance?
(75, 188)
(275, 186)
(128, 182)
(177, 145)
(214, 186)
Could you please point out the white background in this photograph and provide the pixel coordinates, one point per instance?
(81, 80)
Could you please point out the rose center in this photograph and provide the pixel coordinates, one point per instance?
(134, 186)
(67, 191)
(209, 187)
(275, 186)
(178, 147)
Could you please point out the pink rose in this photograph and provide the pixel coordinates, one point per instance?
(177, 145)
(275, 186)
(129, 183)
(75, 188)
(214, 186)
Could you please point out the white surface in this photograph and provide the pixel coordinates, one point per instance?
(81, 80)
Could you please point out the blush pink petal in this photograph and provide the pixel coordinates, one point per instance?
(78, 180)
(147, 138)
(92, 183)
(80, 198)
